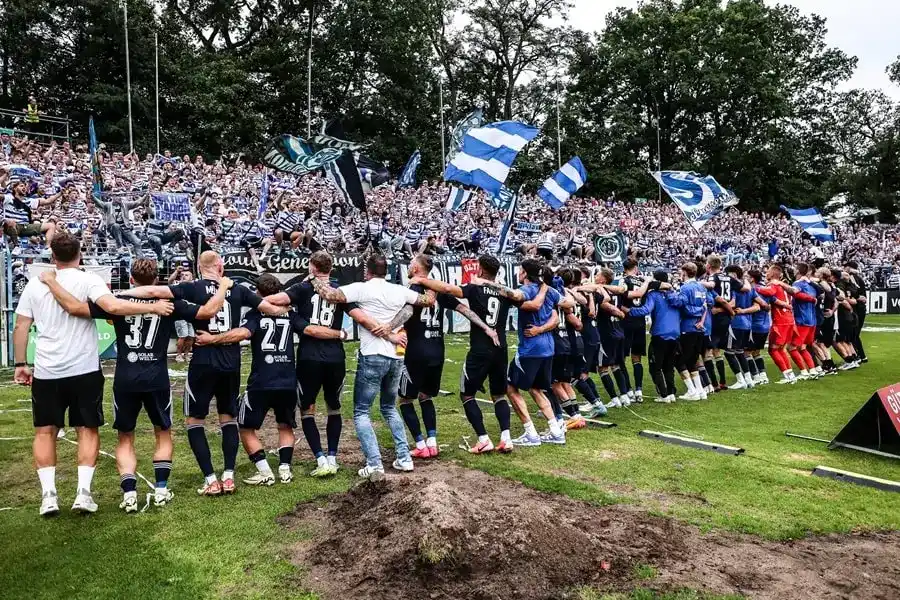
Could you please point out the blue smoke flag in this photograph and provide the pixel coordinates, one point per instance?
(263, 194)
(94, 149)
(508, 223)
(457, 198)
(811, 221)
(408, 176)
(565, 182)
(699, 198)
(487, 153)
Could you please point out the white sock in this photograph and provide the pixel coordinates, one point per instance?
(529, 429)
(431, 441)
(211, 479)
(227, 475)
(420, 444)
(555, 429)
(695, 377)
(690, 385)
(505, 436)
(47, 475)
(85, 476)
(262, 466)
(740, 378)
(483, 439)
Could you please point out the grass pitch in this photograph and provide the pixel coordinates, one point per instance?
(213, 548)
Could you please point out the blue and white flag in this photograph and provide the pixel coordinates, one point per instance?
(172, 207)
(263, 194)
(457, 198)
(502, 199)
(811, 221)
(699, 198)
(565, 182)
(408, 176)
(487, 153)
(94, 149)
(23, 172)
(507, 224)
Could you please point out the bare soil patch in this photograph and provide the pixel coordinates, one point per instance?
(447, 532)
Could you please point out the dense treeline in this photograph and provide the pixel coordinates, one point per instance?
(743, 90)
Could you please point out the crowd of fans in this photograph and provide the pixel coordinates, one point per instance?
(48, 188)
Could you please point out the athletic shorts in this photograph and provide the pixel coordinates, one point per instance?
(635, 339)
(420, 377)
(705, 344)
(781, 335)
(127, 406)
(845, 332)
(611, 352)
(480, 367)
(758, 340)
(591, 358)
(738, 340)
(28, 229)
(577, 365)
(184, 329)
(562, 368)
(690, 344)
(719, 337)
(530, 373)
(804, 336)
(314, 376)
(255, 404)
(205, 383)
(81, 395)
(825, 332)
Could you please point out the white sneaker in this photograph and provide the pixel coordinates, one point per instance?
(261, 479)
(284, 474)
(670, 399)
(630, 394)
(49, 505)
(802, 376)
(129, 503)
(614, 403)
(709, 389)
(661, 400)
(703, 395)
(787, 381)
(162, 496)
(748, 381)
(639, 396)
(624, 400)
(403, 465)
(740, 385)
(84, 503)
(586, 407)
(371, 473)
(690, 397)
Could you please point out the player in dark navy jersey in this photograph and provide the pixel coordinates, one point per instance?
(634, 328)
(321, 363)
(272, 384)
(569, 352)
(142, 375)
(424, 359)
(487, 357)
(609, 329)
(724, 286)
(594, 407)
(215, 370)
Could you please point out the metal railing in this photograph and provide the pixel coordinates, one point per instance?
(16, 123)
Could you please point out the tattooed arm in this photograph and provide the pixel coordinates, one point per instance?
(509, 293)
(401, 317)
(326, 292)
(476, 320)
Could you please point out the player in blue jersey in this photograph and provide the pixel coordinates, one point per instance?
(272, 384)
(142, 375)
(744, 305)
(215, 369)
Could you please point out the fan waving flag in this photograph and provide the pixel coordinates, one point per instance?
(811, 221)
(408, 176)
(487, 153)
(565, 182)
(699, 198)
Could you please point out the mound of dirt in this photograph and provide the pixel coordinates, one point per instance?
(448, 532)
(445, 532)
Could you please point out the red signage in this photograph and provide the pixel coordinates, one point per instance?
(890, 399)
(469, 269)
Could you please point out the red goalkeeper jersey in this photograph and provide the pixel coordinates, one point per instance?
(780, 315)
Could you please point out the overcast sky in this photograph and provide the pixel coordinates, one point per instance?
(866, 29)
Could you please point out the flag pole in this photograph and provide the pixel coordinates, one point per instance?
(156, 47)
(558, 130)
(128, 81)
(441, 97)
(312, 18)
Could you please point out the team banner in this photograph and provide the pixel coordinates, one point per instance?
(526, 227)
(172, 207)
(610, 249)
(699, 198)
(289, 270)
(293, 155)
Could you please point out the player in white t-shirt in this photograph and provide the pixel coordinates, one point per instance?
(67, 373)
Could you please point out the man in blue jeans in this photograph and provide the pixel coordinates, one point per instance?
(387, 307)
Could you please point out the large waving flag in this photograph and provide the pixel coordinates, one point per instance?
(565, 182)
(508, 223)
(473, 119)
(699, 198)
(457, 198)
(94, 149)
(811, 221)
(408, 176)
(487, 153)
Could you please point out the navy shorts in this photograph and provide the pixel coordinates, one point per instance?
(591, 358)
(481, 366)
(825, 332)
(578, 365)
(738, 340)
(635, 338)
(127, 406)
(530, 373)
(205, 383)
(758, 340)
(314, 376)
(420, 377)
(562, 368)
(612, 352)
(256, 404)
